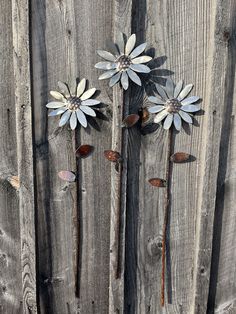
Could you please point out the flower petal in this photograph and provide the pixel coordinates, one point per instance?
(187, 89)
(190, 100)
(89, 93)
(124, 80)
(55, 104)
(57, 112)
(115, 78)
(169, 88)
(90, 102)
(140, 68)
(106, 55)
(73, 121)
(81, 87)
(138, 50)
(120, 42)
(190, 108)
(134, 77)
(105, 65)
(177, 121)
(88, 111)
(178, 88)
(156, 100)
(82, 118)
(161, 91)
(185, 116)
(156, 109)
(56, 95)
(130, 44)
(107, 74)
(160, 116)
(64, 88)
(142, 59)
(168, 121)
(65, 117)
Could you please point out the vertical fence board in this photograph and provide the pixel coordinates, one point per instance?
(24, 136)
(10, 261)
(93, 28)
(222, 285)
(121, 101)
(218, 104)
(53, 58)
(177, 30)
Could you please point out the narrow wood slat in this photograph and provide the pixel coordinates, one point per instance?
(122, 23)
(54, 59)
(10, 260)
(177, 31)
(218, 114)
(93, 28)
(24, 135)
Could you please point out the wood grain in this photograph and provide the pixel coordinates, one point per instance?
(93, 27)
(169, 27)
(222, 286)
(54, 58)
(10, 246)
(121, 101)
(25, 154)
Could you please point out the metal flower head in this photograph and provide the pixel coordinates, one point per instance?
(124, 62)
(73, 107)
(172, 104)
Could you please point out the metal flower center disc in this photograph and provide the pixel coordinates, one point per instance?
(173, 105)
(73, 103)
(123, 63)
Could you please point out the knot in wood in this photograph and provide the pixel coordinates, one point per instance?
(154, 247)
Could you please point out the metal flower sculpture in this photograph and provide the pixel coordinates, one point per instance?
(124, 63)
(73, 107)
(172, 104)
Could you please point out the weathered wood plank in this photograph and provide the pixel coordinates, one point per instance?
(53, 59)
(24, 136)
(10, 261)
(222, 284)
(176, 30)
(93, 27)
(122, 23)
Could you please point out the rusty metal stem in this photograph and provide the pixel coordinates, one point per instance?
(166, 214)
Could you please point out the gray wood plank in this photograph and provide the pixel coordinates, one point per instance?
(93, 27)
(177, 31)
(10, 261)
(121, 101)
(53, 59)
(222, 283)
(24, 136)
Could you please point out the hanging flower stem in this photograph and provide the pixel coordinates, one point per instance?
(118, 186)
(166, 214)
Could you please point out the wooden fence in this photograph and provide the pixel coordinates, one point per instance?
(55, 250)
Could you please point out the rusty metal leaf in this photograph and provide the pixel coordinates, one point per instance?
(157, 182)
(180, 157)
(66, 175)
(144, 114)
(83, 151)
(112, 155)
(130, 120)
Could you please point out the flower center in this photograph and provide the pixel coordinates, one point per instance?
(123, 63)
(173, 105)
(73, 103)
